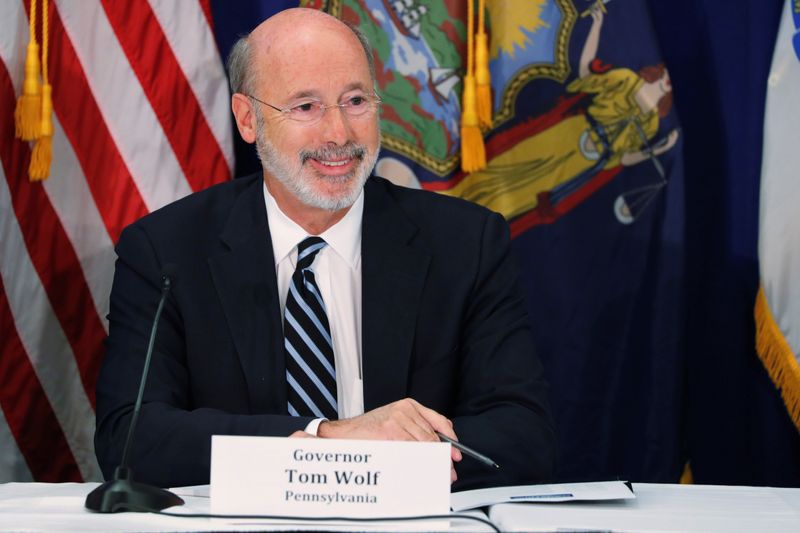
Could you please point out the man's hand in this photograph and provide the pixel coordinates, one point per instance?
(405, 419)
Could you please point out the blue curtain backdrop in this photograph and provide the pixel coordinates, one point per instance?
(730, 422)
(719, 53)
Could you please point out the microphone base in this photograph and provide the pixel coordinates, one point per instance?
(123, 494)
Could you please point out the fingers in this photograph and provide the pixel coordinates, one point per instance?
(415, 420)
(415, 426)
(455, 454)
(435, 421)
(301, 435)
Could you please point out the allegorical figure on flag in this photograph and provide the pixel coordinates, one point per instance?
(313, 297)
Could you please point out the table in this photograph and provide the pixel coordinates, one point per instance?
(657, 507)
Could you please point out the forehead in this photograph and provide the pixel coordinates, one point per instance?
(325, 63)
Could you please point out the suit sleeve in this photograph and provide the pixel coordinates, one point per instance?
(502, 408)
(172, 445)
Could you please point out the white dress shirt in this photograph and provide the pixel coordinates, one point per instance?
(337, 271)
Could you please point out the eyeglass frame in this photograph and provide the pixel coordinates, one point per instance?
(288, 110)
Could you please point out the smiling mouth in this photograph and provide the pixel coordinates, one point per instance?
(339, 169)
(336, 161)
(341, 163)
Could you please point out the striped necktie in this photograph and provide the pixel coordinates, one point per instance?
(310, 366)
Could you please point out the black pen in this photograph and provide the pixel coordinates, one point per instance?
(467, 450)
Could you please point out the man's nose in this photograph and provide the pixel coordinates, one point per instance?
(335, 125)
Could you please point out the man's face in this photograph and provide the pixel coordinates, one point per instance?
(325, 163)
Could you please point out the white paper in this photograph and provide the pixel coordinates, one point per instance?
(602, 490)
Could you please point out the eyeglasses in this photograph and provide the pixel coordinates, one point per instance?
(310, 111)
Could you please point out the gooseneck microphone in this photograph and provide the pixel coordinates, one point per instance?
(122, 493)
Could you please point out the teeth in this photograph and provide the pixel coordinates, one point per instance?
(335, 163)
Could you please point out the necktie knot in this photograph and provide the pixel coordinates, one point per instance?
(307, 250)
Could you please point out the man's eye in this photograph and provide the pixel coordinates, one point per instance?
(357, 101)
(303, 108)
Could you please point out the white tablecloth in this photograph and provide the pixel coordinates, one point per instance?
(659, 508)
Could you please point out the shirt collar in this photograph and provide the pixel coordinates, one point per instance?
(344, 237)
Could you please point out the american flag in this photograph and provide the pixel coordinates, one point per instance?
(141, 117)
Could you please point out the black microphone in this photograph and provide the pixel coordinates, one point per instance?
(122, 493)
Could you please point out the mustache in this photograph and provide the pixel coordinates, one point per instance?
(346, 151)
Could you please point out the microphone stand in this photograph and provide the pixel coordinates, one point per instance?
(123, 493)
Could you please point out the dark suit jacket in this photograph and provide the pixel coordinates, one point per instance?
(443, 323)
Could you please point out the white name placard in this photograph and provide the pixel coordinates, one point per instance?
(328, 477)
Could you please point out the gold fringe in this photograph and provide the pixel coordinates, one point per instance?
(27, 115)
(777, 356)
(687, 478)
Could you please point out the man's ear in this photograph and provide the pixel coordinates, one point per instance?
(244, 116)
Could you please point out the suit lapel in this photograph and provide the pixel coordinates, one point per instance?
(393, 275)
(244, 277)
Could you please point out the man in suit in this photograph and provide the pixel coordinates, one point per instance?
(315, 299)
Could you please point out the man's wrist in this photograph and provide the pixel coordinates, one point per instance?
(325, 429)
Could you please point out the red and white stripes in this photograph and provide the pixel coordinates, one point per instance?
(141, 119)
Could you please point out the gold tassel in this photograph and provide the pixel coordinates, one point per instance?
(42, 155)
(777, 356)
(27, 114)
(41, 158)
(473, 152)
(482, 75)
